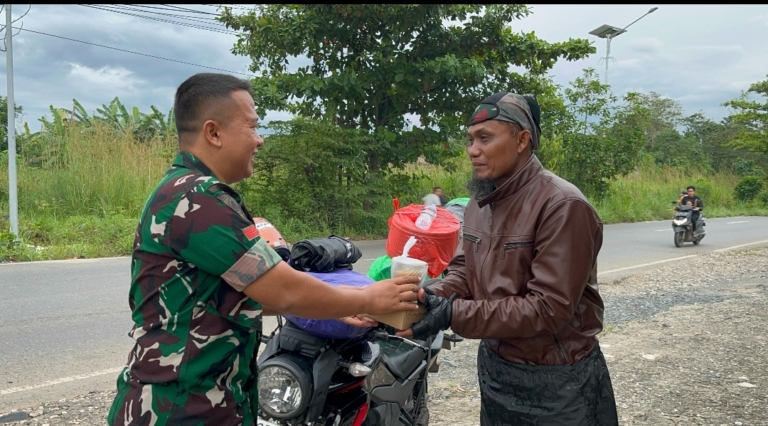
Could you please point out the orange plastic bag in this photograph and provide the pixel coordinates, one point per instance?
(436, 246)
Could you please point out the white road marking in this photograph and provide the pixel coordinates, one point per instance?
(61, 380)
(662, 230)
(649, 264)
(96, 259)
(117, 370)
(741, 221)
(680, 258)
(741, 245)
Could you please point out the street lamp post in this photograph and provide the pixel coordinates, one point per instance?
(609, 32)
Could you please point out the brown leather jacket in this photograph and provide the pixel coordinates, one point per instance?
(525, 273)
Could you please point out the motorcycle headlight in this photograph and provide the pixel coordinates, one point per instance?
(285, 387)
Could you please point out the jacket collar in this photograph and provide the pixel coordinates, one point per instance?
(531, 168)
(189, 161)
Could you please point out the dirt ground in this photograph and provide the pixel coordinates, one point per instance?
(697, 364)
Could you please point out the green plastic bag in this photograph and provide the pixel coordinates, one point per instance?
(459, 201)
(381, 268)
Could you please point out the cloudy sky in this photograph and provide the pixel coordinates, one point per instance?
(700, 55)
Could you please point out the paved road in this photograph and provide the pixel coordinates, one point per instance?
(64, 324)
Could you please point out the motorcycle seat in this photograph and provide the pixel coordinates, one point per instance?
(403, 364)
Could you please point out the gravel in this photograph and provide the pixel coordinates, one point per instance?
(705, 280)
(685, 344)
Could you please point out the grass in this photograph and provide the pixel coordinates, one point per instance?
(71, 237)
(97, 173)
(647, 194)
(86, 198)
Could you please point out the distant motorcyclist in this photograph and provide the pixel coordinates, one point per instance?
(697, 204)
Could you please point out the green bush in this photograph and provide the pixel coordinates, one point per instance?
(763, 198)
(744, 168)
(312, 178)
(748, 188)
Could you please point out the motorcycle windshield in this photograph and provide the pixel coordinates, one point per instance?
(401, 358)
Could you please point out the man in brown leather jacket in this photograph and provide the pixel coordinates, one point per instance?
(524, 280)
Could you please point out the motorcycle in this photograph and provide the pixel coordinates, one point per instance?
(376, 379)
(683, 226)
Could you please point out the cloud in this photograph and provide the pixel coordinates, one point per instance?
(629, 64)
(760, 19)
(646, 45)
(700, 55)
(106, 77)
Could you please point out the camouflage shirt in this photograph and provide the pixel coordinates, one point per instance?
(196, 334)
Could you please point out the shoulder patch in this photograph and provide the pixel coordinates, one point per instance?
(227, 196)
(251, 232)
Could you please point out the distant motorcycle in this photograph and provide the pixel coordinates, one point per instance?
(683, 226)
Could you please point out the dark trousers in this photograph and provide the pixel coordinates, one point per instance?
(695, 219)
(543, 395)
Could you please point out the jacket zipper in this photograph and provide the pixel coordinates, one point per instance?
(559, 349)
(473, 239)
(487, 253)
(508, 246)
(490, 219)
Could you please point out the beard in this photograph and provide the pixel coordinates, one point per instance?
(480, 188)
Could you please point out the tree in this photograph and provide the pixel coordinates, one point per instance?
(713, 138)
(664, 116)
(373, 64)
(605, 139)
(308, 170)
(4, 121)
(752, 116)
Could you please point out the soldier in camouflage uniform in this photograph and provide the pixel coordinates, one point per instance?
(200, 271)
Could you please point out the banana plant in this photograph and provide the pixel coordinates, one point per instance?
(80, 114)
(55, 127)
(116, 116)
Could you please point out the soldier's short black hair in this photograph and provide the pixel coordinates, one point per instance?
(691, 187)
(201, 93)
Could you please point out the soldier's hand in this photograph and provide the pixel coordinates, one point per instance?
(393, 295)
(359, 321)
(438, 317)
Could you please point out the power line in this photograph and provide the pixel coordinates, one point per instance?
(100, 7)
(173, 9)
(173, 15)
(230, 6)
(130, 51)
(162, 20)
(187, 9)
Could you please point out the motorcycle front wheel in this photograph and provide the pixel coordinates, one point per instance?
(679, 236)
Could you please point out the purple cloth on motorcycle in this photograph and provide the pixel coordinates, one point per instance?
(331, 328)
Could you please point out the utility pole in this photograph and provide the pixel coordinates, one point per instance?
(609, 32)
(607, 54)
(13, 196)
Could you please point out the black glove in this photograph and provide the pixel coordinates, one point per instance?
(438, 317)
